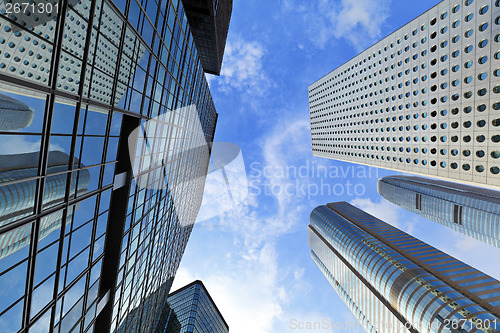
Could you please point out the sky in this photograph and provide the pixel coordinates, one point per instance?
(255, 259)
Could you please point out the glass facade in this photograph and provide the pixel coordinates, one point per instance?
(82, 243)
(209, 21)
(470, 210)
(392, 282)
(16, 199)
(192, 310)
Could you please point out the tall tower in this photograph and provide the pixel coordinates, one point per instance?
(95, 74)
(470, 210)
(192, 309)
(209, 22)
(393, 282)
(423, 100)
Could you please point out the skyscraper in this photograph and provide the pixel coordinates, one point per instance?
(470, 210)
(93, 74)
(209, 22)
(188, 309)
(423, 100)
(393, 282)
(192, 309)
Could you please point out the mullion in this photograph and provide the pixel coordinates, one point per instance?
(96, 216)
(71, 166)
(43, 164)
(21, 27)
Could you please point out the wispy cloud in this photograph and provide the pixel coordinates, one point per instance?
(360, 21)
(357, 21)
(285, 147)
(242, 67)
(19, 144)
(251, 293)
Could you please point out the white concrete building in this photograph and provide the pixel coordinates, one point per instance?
(424, 100)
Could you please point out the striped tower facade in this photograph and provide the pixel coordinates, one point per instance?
(473, 211)
(393, 282)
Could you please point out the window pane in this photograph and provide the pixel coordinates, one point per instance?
(13, 283)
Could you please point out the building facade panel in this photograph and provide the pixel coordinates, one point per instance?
(423, 100)
(209, 21)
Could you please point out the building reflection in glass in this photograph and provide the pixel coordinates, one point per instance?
(135, 320)
(17, 196)
(14, 115)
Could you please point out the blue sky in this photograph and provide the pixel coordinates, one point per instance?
(255, 260)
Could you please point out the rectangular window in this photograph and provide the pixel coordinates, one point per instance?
(457, 214)
(418, 201)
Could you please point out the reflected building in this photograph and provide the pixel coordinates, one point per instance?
(155, 302)
(470, 210)
(14, 115)
(17, 195)
(188, 309)
(393, 282)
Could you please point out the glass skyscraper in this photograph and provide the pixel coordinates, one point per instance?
(191, 310)
(470, 210)
(209, 21)
(393, 282)
(97, 242)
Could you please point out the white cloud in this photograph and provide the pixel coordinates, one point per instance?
(18, 144)
(298, 273)
(248, 284)
(246, 294)
(285, 147)
(358, 21)
(242, 67)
